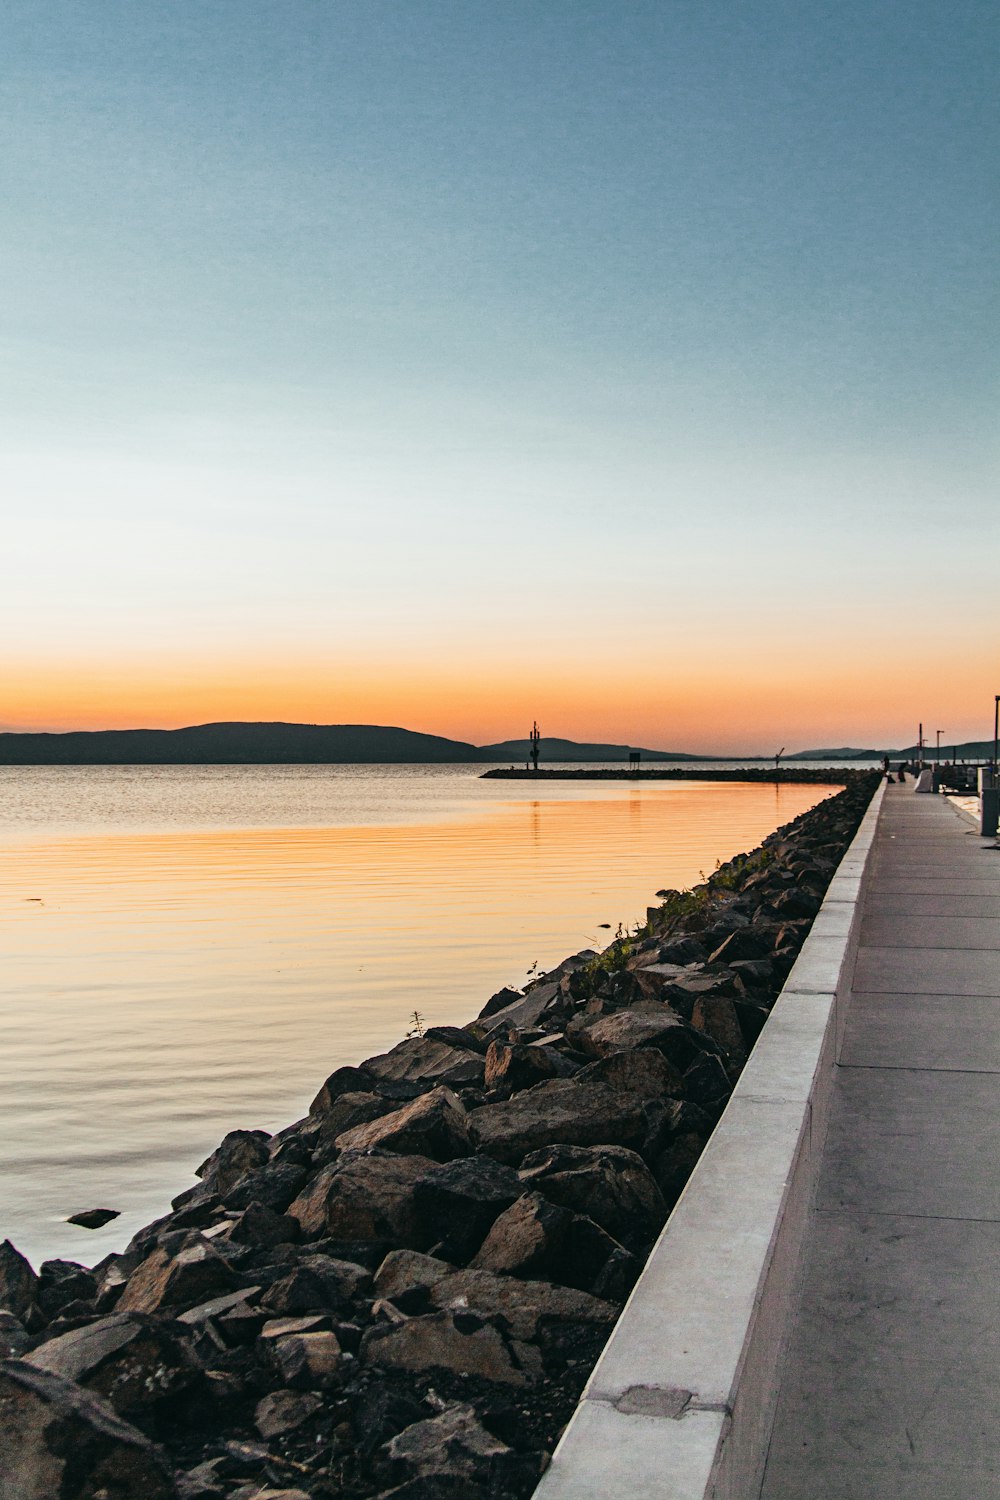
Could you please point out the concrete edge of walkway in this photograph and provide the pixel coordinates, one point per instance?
(680, 1404)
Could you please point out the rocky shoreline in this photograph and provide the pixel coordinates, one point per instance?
(404, 1293)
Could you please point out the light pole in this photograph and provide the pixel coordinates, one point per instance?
(939, 733)
(996, 730)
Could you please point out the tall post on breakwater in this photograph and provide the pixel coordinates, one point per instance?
(535, 739)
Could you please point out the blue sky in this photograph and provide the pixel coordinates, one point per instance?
(383, 336)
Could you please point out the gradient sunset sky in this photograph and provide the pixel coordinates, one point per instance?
(630, 366)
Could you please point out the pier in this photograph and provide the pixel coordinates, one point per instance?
(819, 1319)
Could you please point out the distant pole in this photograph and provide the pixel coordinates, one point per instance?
(939, 733)
(920, 747)
(996, 728)
(777, 758)
(535, 737)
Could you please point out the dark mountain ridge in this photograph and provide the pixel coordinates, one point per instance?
(345, 744)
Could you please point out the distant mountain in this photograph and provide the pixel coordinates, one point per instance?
(561, 750)
(233, 744)
(845, 752)
(971, 750)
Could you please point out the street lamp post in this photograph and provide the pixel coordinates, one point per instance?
(939, 733)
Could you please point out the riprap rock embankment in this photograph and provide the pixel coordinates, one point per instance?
(403, 1293)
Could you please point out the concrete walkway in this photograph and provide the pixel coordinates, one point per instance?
(891, 1387)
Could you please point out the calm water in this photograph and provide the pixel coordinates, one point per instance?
(186, 950)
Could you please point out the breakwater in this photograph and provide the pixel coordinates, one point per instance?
(815, 776)
(406, 1290)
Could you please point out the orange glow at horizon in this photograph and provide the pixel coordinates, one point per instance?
(755, 701)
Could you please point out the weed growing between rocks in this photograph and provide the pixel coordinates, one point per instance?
(403, 1293)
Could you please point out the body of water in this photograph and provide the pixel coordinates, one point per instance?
(191, 949)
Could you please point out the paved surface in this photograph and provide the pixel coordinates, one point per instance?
(891, 1388)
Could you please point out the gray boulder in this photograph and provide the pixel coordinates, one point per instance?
(583, 1114)
(434, 1125)
(455, 1444)
(523, 1305)
(609, 1184)
(133, 1361)
(365, 1197)
(459, 1342)
(18, 1282)
(458, 1202)
(58, 1440)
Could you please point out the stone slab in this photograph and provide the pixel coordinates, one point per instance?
(898, 1331)
(913, 1141)
(920, 930)
(923, 1031)
(931, 904)
(927, 971)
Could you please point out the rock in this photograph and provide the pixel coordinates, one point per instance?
(424, 1059)
(540, 1238)
(512, 1067)
(179, 1281)
(263, 1227)
(745, 942)
(61, 1282)
(203, 1482)
(240, 1151)
(405, 1271)
(522, 1304)
(283, 1494)
(458, 1202)
(343, 1114)
(623, 1030)
(582, 1114)
(317, 1282)
(797, 902)
(528, 1236)
(279, 1328)
(273, 1186)
(707, 1083)
(643, 1071)
(132, 1361)
(94, 1218)
(58, 1440)
(455, 1444)
(609, 1184)
(446, 1341)
(217, 1307)
(341, 1081)
(524, 1012)
(367, 1197)
(502, 1000)
(676, 1164)
(14, 1337)
(309, 1360)
(434, 1125)
(18, 1281)
(284, 1411)
(716, 1016)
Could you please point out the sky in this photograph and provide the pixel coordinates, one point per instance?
(631, 367)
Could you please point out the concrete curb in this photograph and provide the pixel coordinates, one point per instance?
(680, 1404)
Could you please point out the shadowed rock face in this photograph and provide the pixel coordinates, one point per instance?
(57, 1440)
(561, 1111)
(404, 1292)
